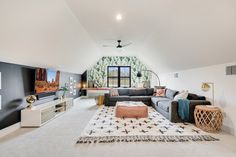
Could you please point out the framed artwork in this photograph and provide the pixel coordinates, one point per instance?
(72, 86)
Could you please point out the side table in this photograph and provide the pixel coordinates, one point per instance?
(100, 100)
(208, 118)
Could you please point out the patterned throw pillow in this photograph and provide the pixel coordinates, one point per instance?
(160, 92)
(114, 92)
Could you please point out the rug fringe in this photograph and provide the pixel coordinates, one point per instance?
(144, 138)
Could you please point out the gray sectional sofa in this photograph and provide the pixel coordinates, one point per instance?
(130, 94)
(164, 105)
(169, 108)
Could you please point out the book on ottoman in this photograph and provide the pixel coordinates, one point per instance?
(131, 109)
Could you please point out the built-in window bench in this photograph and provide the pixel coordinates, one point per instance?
(95, 92)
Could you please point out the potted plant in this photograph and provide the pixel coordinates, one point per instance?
(64, 89)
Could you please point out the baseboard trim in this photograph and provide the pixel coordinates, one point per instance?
(228, 130)
(10, 129)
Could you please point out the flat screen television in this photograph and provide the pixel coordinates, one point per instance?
(46, 80)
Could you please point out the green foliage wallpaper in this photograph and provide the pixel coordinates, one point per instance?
(98, 73)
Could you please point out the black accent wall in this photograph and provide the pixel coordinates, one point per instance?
(17, 83)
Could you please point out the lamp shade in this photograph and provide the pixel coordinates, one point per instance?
(139, 74)
(205, 86)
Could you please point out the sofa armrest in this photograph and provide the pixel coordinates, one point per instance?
(173, 110)
(192, 105)
(106, 99)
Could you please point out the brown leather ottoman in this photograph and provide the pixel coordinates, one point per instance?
(131, 109)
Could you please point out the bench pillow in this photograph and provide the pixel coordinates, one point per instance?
(114, 92)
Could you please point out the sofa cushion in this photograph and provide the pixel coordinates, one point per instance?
(164, 105)
(123, 91)
(156, 99)
(171, 93)
(149, 91)
(137, 92)
(119, 98)
(140, 98)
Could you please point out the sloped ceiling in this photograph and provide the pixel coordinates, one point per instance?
(44, 33)
(167, 35)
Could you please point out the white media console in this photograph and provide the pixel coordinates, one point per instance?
(41, 114)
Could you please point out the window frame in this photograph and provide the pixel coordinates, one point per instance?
(119, 77)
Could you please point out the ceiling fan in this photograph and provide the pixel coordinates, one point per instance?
(119, 46)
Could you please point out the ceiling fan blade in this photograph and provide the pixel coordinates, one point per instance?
(126, 44)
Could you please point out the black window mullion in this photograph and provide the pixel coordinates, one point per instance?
(119, 77)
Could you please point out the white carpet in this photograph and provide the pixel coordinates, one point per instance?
(104, 127)
(58, 137)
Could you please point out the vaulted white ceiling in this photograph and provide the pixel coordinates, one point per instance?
(44, 33)
(167, 35)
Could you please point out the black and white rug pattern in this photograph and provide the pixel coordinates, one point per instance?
(104, 127)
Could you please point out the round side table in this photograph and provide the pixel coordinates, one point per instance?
(208, 118)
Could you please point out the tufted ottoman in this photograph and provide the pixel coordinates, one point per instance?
(131, 109)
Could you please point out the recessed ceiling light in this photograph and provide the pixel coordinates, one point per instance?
(118, 17)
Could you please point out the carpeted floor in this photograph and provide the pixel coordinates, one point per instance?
(58, 137)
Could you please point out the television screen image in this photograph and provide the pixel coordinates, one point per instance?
(47, 80)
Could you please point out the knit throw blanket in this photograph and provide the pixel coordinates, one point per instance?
(183, 109)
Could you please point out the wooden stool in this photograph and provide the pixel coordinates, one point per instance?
(208, 118)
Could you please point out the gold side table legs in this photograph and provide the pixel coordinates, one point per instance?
(100, 100)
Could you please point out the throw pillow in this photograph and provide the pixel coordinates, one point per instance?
(181, 95)
(161, 92)
(171, 93)
(150, 91)
(114, 92)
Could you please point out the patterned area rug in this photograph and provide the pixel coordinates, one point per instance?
(104, 127)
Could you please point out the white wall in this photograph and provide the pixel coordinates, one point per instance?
(225, 88)
(44, 33)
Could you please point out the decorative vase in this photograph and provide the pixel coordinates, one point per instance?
(30, 100)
